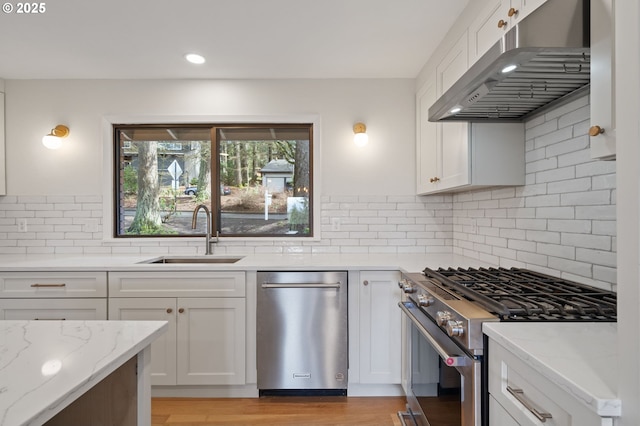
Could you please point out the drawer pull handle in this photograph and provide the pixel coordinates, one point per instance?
(49, 319)
(519, 395)
(48, 285)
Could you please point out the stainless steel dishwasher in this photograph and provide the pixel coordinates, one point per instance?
(302, 333)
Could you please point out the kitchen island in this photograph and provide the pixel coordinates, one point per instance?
(89, 371)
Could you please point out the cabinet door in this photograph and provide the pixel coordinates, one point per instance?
(453, 138)
(163, 350)
(602, 103)
(380, 327)
(211, 341)
(427, 139)
(498, 416)
(484, 31)
(53, 309)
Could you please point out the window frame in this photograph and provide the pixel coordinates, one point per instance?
(215, 179)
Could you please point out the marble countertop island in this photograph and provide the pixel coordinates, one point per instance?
(579, 357)
(46, 365)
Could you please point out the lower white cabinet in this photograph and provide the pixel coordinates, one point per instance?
(375, 337)
(205, 343)
(53, 309)
(56, 295)
(520, 396)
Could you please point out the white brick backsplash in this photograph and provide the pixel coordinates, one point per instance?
(570, 145)
(563, 220)
(566, 186)
(600, 242)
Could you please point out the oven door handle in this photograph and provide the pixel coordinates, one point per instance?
(449, 360)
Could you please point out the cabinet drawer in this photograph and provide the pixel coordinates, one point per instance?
(53, 284)
(53, 309)
(533, 392)
(177, 284)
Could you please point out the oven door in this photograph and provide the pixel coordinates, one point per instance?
(444, 381)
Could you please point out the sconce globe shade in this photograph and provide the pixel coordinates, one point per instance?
(361, 139)
(52, 142)
(54, 139)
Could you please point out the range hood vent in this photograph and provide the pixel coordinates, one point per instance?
(551, 50)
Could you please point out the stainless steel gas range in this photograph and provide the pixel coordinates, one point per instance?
(445, 310)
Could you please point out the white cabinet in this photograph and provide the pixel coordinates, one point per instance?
(427, 138)
(53, 309)
(375, 345)
(206, 340)
(468, 156)
(520, 396)
(602, 102)
(452, 149)
(458, 155)
(497, 17)
(53, 295)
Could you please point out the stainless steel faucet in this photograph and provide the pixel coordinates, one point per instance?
(194, 221)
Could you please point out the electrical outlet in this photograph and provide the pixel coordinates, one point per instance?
(22, 225)
(335, 223)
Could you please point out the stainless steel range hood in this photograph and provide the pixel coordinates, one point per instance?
(551, 50)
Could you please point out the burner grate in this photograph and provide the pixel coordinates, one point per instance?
(523, 295)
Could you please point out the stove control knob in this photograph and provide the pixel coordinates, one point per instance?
(407, 287)
(424, 300)
(455, 328)
(442, 317)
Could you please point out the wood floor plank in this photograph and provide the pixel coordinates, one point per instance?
(277, 411)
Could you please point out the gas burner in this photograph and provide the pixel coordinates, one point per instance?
(523, 295)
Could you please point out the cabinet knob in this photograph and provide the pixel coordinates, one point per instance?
(512, 11)
(595, 130)
(169, 310)
(434, 179)
(365, 282)
(181, 310)
(502, 23)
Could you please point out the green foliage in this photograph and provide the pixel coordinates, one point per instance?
(149, 228)
(130, 180)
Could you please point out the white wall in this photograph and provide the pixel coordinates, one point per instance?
(385, 166)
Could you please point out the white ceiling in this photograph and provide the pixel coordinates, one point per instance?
(239, 38)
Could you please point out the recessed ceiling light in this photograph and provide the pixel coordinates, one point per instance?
(509, 68)
(194, 58)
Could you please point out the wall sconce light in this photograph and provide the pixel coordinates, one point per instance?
(54, 139)
(360, 137)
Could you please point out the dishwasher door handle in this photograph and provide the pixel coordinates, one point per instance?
(301, 285)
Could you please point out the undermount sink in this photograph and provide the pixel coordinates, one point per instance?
(198, 259)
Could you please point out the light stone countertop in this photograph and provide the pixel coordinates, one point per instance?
(249, 262)
(581, 358)
(32, 390)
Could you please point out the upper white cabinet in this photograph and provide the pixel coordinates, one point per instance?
(427, 136)
(603, 126)
(458, 155)
(496, 18)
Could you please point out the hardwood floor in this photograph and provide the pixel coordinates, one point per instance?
(299, 411)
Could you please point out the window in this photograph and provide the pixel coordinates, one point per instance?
(258, 182)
